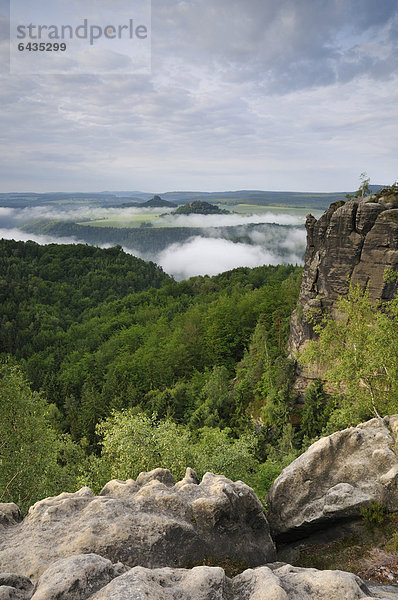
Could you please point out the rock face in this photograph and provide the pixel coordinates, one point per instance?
(9, 514)
(335, 478)
(90, 577)
(76, 577)
(355, 240)
(85, 547)
(152, 522)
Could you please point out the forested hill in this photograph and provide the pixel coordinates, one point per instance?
(198, 207)
(97, 331)
(128, 351)
(44, 289)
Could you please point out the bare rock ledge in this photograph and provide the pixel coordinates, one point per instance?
(151, 522)
(129, 542)
(91, 577)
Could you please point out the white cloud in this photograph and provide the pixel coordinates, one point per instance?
(231, 220)
(86, 213)
(280, 239)
(22, 236)
(6, 212)
(80, 213)
(210, 256)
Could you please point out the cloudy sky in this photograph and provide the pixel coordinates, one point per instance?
(259, 94)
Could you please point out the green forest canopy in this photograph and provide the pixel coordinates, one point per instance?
(97, 331)
(110, 367)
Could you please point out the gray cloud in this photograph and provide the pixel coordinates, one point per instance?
(266, 94)
(284, 45)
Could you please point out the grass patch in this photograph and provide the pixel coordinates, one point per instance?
(371, 553)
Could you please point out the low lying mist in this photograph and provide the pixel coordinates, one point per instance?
(13, 233)
(211, 256)
(226, 241)
(22, 236)
(18, 216)
(231, 220)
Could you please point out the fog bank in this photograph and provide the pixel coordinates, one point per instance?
(211, 256)
(230, 220)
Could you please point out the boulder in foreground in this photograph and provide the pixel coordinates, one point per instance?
(335, 478)
(152, 522)
(90, 577)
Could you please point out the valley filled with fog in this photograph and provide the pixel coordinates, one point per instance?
(210, 244)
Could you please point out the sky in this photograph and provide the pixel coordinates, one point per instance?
(241, 94)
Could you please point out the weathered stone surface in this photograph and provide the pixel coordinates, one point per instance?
(335, 477)
(385, 592)
(9, 514)
(355, 240)
(149, 522)
(10, 593)
(15, 587)
(91, 577)
(198, 583)
(134, 519)
(16, 581)
(271, 582)
(76, 578)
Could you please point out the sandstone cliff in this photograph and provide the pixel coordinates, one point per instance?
(355, 240)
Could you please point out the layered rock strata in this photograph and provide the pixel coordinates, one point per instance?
(352, 241)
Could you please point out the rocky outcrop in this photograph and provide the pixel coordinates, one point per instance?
(90, 577)
(335, 478)
(152, 522)
(76, 577)
(15, 586)
(352, 241)
(85, 547)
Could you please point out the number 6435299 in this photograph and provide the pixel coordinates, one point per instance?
(42, 47)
